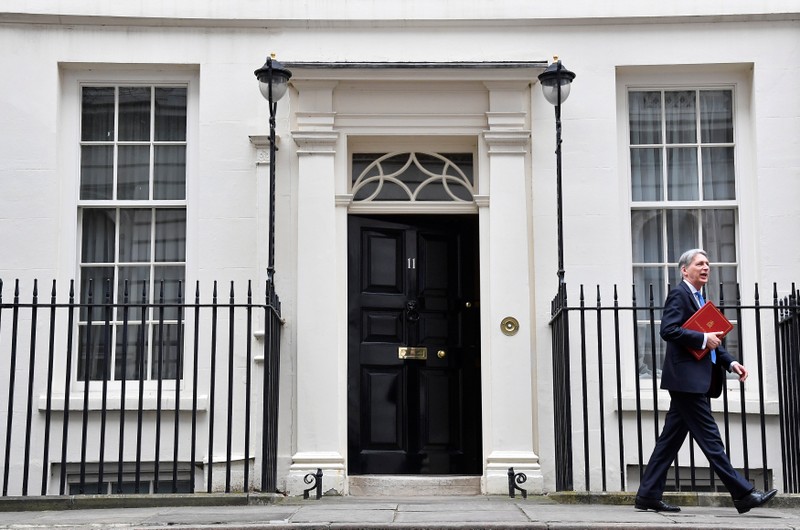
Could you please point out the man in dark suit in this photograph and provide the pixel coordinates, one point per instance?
(689, 383)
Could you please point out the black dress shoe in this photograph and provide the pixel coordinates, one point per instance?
(754, 499)
(643, 503)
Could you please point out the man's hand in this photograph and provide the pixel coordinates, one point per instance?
(739, 369)
(713, 340)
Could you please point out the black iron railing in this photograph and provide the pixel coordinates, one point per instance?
(787, 346)
(138, 396)
(562, 398)
(607, 356)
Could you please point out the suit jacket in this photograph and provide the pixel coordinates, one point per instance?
(682, 372)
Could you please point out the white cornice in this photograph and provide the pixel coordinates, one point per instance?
(315, 141)
(507, 141)
(378, 13)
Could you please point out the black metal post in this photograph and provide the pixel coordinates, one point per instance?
(559, 211)
(273, 107)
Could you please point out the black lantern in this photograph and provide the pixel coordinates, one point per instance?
(273, 79)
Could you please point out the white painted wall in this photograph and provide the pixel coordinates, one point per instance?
(217, 45)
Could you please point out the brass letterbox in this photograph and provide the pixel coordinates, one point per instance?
(405, 352)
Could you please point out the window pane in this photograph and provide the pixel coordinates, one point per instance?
(674, 276)
(133, 172)
(169, 172)
(719, 234)
(170, 235)
(718, 174)
(646, 175)
(682, 180)
(647, 232)
(451, 182)
(131, 350)
(97, 171)
(137, 279)
(171, 278)
(134, 234)
(724, 275)
(166, 350)
(169, 284)
(134, 114)
(679, 108)
(360, 162)
(92, 352)
(716, 116)
(97, 114)
(648, 349)
(97, 239)
(96, 282)
(393, 166)
(683, 232)
(645, 117)
(170, 114)
(643, 279)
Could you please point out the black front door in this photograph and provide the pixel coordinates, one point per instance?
(413, 360)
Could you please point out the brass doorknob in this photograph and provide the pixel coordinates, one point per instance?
(441, 354)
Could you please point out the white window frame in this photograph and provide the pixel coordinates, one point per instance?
(736, 77)
(74, 76)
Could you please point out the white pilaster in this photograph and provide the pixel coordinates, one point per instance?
(263, 162)
(320, 407)
(508, 383)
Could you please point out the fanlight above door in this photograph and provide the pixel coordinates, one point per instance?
(413, 177)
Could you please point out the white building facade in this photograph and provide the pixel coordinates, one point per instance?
(415, 199)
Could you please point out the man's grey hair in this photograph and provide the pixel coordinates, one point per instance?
(688, 256)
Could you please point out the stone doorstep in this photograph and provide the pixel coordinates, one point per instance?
(413, 485)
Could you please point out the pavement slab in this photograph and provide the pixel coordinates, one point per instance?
(418, 513)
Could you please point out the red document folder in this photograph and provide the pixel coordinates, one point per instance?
(707, 319)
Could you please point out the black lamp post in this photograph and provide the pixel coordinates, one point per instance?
(273, 80)
(556, 81)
